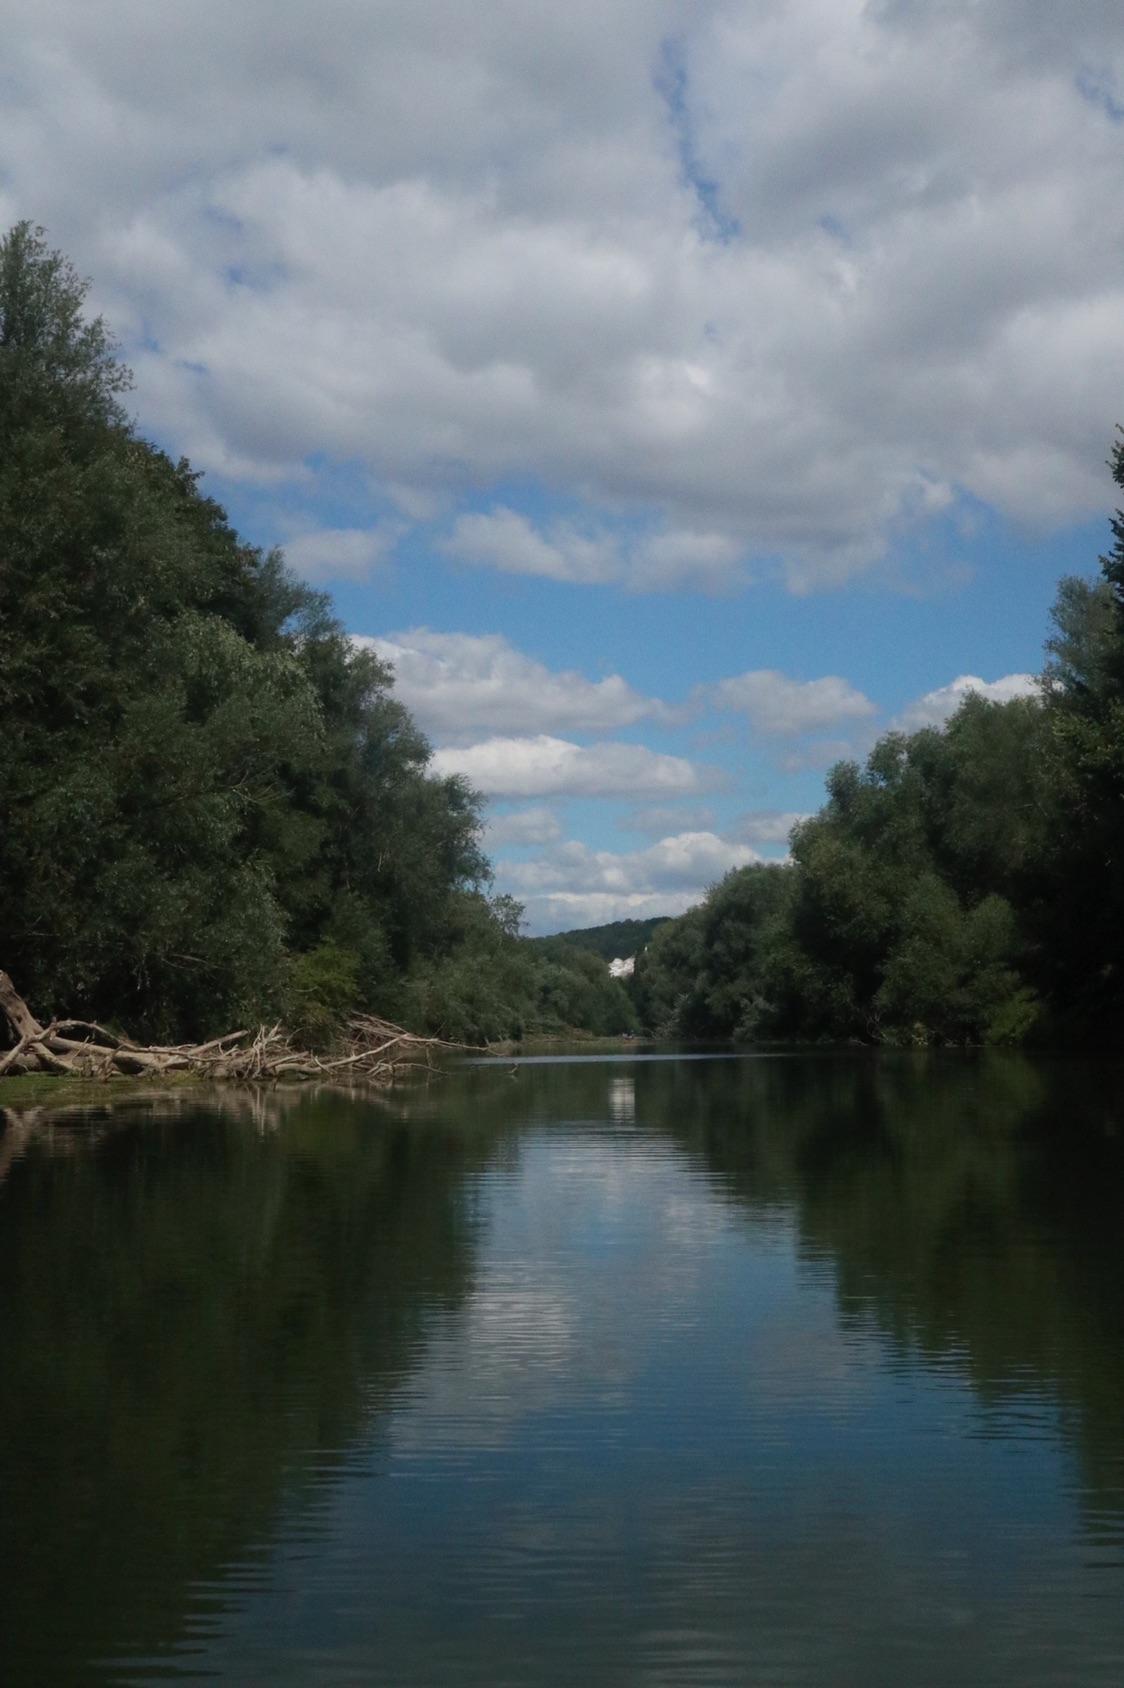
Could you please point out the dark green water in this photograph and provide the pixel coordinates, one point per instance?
(775, 1371)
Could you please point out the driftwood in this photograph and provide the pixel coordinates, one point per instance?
(375, 1051)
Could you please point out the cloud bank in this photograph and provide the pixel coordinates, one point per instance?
(774, 281)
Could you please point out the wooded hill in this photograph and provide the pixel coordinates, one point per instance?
(619, 938)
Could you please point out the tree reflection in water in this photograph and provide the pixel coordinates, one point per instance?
(205, 1310)
(199, 1314)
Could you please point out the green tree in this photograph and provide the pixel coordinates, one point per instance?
(703, 975)
(899, 929)
(1081, 905)
(966, 885)
(201, 776)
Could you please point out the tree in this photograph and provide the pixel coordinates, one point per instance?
(1081, 906)
(202, 777)
(702, 976)
(900, 927)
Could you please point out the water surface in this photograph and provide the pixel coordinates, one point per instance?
(780, 1370)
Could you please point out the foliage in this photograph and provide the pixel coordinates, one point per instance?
(322, 989)
(965, 886)
(701, 976)
(901, 926)
(573, 988)
(213, 809)
(1081, 915)
(203, 779)
(493, 985)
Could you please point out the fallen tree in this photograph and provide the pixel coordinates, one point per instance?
(374, 1051)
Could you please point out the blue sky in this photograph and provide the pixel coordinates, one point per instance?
(678, 395)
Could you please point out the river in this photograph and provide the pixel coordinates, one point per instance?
(798, 1370)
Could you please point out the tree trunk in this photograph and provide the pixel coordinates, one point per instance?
(20, 1018)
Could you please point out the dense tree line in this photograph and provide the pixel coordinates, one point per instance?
(213, 809)
(965, 886)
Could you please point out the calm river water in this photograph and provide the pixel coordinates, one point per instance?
(768, 1370)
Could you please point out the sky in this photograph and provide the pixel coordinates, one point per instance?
(679, 396)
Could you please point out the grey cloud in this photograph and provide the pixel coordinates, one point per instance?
(764, 826)
(777, 706)
(460, 248)
(525, 826)
(672, 558)
(1018, 31)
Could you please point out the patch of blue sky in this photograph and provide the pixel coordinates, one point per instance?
(1096, 87)
(836, 228)
(671, 81)
(965, 592)
(220, 217)
(256, 278)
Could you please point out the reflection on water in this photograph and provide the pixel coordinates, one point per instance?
(803, 1370)
(622, 1099)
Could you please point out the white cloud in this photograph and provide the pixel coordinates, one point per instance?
(574, 885)
(525, 826)
(339, 553)
(687, 861)
(505, 540)
(662, 559)
(459, 248)
(460, 685)
(934, 708)
(551, 767)
(672, 558)
(765, 826)
(787, 708)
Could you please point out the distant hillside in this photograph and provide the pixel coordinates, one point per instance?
(620, 937)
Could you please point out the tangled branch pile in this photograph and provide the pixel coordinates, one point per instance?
(377, 1051)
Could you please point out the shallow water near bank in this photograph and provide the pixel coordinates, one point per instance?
(795, 1370)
